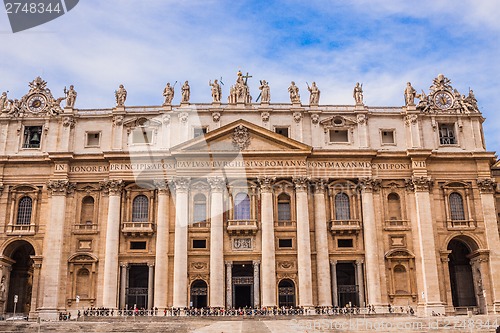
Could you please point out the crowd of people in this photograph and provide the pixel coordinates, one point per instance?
(246, 311)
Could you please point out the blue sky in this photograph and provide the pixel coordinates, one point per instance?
(144, 44)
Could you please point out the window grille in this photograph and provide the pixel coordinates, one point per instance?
(457, 207)
(342, 209)
(242, 207)
(284, 212)
(200, 208)
(140, 209)
(24, 211)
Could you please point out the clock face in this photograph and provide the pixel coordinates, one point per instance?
(443, 100)
(36, 103)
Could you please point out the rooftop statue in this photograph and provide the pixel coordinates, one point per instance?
(314, 94)
(294, 93)
(358, 94)
(186, 92)
(216, 91)
(168, 93)
(121, 96)
(239, 92)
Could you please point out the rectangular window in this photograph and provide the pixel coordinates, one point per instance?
(344, 242)
(32, 136)
(282, 130)
(447, 134)
(339, 136)
(138, 245)
(199, 243)
(388, 137)
(199, 131)
(93, 139)
(285, 243)
(142, 136)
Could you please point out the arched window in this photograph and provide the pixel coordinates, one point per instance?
(83, 283)
(200, 208)
(242, 207)
(284, 212)
(24, 211)
(342, 208)
(87, 215)
(394, 206)
(457, 207)
(140, 209)
(400, 280)
(286, 293)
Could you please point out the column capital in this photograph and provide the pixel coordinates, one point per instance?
(360, 262)
(301, 183)
(333, 261)
(217, 184)
(151, 264)
(419, 184)
(60, 187)
(112, 186)
(266, 184)
(256, 262)
(319, 185)
(181, 183)
(124, 264)
(161, 185)
(369, 184)
(486, 185)
(229, 263)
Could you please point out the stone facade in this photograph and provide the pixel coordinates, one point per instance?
(248, 204)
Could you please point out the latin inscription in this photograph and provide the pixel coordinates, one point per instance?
(250, 164)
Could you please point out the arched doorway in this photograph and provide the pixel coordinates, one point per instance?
(199, 291)
(461, 275)
(286, 293)
(20, 279)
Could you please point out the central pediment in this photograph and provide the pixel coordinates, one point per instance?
(243, 137)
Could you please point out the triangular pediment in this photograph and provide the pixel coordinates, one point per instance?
(244, 137)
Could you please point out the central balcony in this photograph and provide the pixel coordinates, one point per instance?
(21, 229)
(338, 227)
(242, 227)
(461, 225)
(135, 229)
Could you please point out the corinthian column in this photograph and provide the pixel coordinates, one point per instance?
(110, 285)
(181, 242)
(161, 259)
(487, 190)
(52, 247)
(426, 260)
(370, 240)
(268, 259)
(303, 242)
(322, 255)
(217, 185)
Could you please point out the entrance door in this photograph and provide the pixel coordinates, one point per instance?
(137, 291)
(347, 290)
(199, 294)
(286, 293)
(243, 285)
(21, 278)
(461, 280)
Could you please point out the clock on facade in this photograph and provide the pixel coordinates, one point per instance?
(36, 103)
(443, 100)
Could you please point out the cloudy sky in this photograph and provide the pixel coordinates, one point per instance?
(144, 44)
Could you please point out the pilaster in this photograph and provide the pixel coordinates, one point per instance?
(53, 242)
(114, 189)
(268, 259)
(217, 185)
